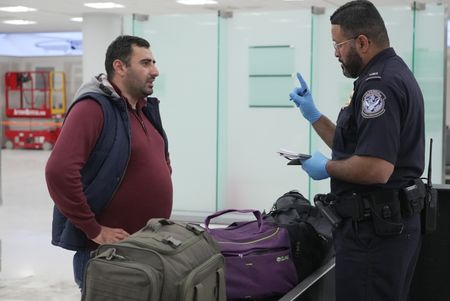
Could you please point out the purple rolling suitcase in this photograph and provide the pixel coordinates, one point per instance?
(258, 262)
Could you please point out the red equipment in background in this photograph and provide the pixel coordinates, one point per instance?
(35, 104)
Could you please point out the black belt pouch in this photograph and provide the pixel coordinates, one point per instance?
(386, 213)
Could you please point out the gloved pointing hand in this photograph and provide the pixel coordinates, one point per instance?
(315, 166)
(302, 98)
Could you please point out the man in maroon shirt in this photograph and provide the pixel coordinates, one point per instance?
(109, 171)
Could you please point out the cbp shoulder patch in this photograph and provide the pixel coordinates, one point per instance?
(373, 104)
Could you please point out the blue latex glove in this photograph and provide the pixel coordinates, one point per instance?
(315, 166)
(302, 98)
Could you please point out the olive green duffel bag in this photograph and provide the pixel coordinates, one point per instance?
(164, 261)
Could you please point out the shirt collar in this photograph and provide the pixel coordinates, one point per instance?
(140, 104)
(383, 54)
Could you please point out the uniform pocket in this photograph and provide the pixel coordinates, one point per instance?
(345, 134)
(364, 233)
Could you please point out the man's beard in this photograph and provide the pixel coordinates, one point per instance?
(354, 65)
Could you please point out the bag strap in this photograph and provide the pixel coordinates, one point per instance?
(256, 213)
(155, 224)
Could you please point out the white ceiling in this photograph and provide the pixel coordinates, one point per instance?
(54, 15)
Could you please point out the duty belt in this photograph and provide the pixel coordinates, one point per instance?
(386, 203)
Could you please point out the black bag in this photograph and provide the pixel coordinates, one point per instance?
(309, 232)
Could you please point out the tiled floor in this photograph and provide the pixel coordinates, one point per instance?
(31, 268)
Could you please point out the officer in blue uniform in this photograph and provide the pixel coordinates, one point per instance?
(377, 160)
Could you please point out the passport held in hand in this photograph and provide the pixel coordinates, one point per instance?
(293, 157)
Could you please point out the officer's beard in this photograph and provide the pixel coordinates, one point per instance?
(354, 65)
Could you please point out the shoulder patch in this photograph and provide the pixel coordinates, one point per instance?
(373, 104)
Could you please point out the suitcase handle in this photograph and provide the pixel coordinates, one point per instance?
(256, 213)
(155, 224)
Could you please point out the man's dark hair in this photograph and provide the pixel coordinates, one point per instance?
(121, 49)
(361, 17)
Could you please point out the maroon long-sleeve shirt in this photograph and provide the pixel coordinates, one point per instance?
(145, 191)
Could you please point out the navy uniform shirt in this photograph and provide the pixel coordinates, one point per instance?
(385, 119)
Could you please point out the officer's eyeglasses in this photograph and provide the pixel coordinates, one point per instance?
(337, 46)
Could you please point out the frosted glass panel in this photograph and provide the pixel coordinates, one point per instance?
(269, 91)
(185, 49)
(223, 151)
(270, 60)
(270, 71)
(399, 23)
(429, 64)
(252, 174)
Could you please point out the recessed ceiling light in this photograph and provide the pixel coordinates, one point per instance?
(17, 9)
(19, 22)
(197, 2)
(76, 19)
(103, 5)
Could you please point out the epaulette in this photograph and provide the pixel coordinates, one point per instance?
(373, 75)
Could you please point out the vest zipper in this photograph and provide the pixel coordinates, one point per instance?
(127, 121)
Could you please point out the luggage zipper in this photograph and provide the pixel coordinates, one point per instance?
(254, 252)
(252, 241)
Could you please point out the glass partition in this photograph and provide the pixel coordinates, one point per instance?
(225, 101)
(185, 49)
(429, 68)
(252, 174)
